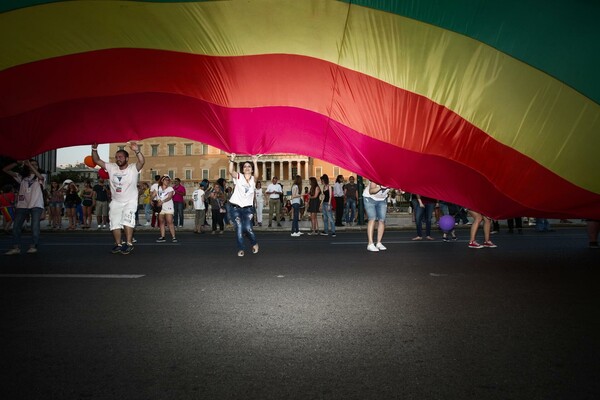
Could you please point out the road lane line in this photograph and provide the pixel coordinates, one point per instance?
(100, 276)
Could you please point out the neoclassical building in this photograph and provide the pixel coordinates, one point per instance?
(193, 161)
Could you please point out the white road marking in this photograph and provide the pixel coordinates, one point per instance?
(101, 276)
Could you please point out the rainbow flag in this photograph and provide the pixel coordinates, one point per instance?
(490, 105)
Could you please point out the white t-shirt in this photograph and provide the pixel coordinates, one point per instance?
(154, 188)
(167, 206)
(243, 192)
(296, 191)
(260, 196)
(123, 182)
(198, 200)
(30, 192)
(276, 189)
(381, 195)
(338, 189)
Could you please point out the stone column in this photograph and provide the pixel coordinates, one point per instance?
(281, 170)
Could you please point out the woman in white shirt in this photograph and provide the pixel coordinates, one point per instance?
(296, 197)
(375, 200)
(242, 202)
(260, 202)
(165, 199)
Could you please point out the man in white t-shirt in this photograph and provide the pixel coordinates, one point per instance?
(123, 179)
(199, 206)
(274, 191)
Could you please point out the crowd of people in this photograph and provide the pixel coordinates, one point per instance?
(119, 202)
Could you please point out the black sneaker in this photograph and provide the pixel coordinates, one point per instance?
(126, 248)
(174, 240)
(116, 249)
(333, 234)
(323, 234)
(161, 239)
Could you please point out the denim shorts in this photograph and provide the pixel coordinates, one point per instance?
(375, 209)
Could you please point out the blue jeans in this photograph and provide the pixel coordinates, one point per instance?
(376, 209)
(20, 216)
(327, 218)
(296, 218)
(242, 221)
(147, 211)
(350, 209)
(424, 213)
(178, 215)
(542, 225)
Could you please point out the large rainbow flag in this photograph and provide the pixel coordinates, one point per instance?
(491, 105)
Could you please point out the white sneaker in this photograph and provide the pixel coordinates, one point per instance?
(380, 246)
(300, 233)
(32, 250)
(372, 247)
(294, 234)
(13, 252)
(147, 224)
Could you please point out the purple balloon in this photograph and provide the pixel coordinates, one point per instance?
(447, 223)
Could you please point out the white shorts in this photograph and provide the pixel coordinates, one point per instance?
(122, 214)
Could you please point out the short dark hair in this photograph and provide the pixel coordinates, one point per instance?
(124, 152)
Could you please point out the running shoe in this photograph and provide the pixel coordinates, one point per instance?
(489, 244)
(116, 249)
(475, 245)
(380, 246)
(126, 248)
(13, 252)
(161, 239)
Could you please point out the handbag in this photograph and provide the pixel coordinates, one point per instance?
(156, 207)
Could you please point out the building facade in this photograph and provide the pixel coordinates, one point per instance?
(193, 161)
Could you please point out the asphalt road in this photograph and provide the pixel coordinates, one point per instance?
(306, 318)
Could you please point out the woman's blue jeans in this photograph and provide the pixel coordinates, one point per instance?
(424, 213)
(328, 218)
(20, 216)
(296, 218)
(242, 221)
